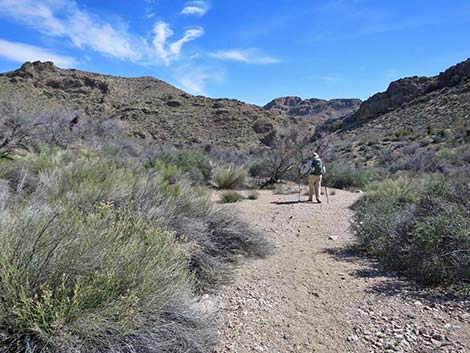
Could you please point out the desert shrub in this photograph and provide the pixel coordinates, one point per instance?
(227, 155)
(252, 195)
(169, 173)
(84, 183)
(345, 176)
(402, 132)
(420, 227)
(195, 164)
(417, 160)
(91, 281)
(229, 177)
(112, 226)
(403, 189)
(230, 197)
(23, 132)
(260, 167)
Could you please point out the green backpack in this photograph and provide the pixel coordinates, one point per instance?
(317, 167)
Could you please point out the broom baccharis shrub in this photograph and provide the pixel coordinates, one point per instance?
(101, 254)
(68, 278)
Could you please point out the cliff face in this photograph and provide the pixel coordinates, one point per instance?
(314, 109)
(408, 89)
(150, 108)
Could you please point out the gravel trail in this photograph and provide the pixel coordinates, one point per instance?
(316, 295)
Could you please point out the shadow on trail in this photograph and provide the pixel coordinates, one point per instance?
(280, 203)
(389, 283)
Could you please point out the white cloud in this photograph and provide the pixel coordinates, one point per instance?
(249, 56)
(64, 19)
(189, 35)
(162, 33)
(194, 79)
(169, 52)
(61, 18)
(195, 8)
(20, 52)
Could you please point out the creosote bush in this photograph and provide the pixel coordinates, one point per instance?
(420, 227)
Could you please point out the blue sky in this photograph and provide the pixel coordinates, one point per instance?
(250, 50)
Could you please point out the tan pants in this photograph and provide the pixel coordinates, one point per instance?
(314, 185)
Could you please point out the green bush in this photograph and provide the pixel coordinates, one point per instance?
(230, 197)
(345, 176)
(99, 255)
(195, 164)
(420, 227)
(229, 177)
(87, 282)
(402, 132)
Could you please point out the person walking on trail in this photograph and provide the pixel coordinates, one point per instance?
(316, 170)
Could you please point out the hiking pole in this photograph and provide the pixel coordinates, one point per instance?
(326, 193)
(299, 188)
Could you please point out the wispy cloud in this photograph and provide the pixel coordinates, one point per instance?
(170, 52)
(195, 79)
(195, 8)
(149, 9)
(20, 52)
(64, 19)
(248, 56)
(330, 78)
(60, 18)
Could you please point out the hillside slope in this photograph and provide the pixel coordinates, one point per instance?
(151, 108)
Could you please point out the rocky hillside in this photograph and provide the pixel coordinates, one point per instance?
(316, 110)
(407, 89)
(151, 109)
(417, 120)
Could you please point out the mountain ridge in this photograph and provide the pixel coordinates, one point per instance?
(152, 109)
(314, 109)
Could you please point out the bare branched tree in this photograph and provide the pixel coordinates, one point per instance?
(291, 148)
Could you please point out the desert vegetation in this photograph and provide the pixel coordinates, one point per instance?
(419, 227)
(106, 244)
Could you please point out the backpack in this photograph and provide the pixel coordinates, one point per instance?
(317, 167)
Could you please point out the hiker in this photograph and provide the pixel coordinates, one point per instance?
(316, 170)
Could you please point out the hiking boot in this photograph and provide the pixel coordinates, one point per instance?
(318, 200)
(310, 200)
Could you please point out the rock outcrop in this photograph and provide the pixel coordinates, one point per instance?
(408, 89)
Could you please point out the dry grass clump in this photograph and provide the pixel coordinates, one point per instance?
(229, 177)
(230, 197)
